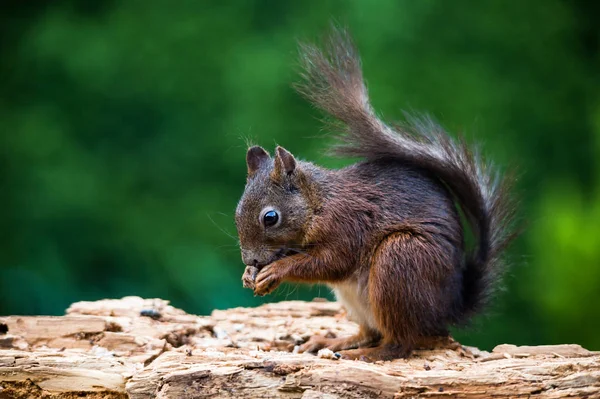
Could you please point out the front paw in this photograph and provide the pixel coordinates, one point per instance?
(267, 280)
(249, 276)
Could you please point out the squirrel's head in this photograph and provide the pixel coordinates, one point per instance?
(274, 212)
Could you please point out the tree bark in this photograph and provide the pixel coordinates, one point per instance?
(144, 348)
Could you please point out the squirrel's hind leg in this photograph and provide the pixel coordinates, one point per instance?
(390, 351)
(406, 280)
(365, 337)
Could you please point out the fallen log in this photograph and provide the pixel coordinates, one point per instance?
(144, 348)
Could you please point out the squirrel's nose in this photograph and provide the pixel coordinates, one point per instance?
(249, 258)
(252, 261)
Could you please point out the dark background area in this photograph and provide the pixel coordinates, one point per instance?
(124, 126)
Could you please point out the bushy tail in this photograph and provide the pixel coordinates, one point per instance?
(332, 80)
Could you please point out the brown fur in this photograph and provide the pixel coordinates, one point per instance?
(384, 233)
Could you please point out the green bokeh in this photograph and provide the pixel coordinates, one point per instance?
(124, 128)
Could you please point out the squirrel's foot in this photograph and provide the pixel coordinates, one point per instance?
(318, 342)
(437, 342)
(362, 339)
(381, 352)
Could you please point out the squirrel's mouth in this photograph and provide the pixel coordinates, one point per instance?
(278, 255)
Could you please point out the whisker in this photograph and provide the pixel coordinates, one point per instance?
(220, 228)
(227, 250)
(228, 245)
(294, 289)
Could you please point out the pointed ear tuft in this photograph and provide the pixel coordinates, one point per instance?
(255, 158)
(285, 160)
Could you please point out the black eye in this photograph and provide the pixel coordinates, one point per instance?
(270, 218)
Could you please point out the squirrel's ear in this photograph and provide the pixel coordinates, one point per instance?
(255, 157)
(284, 161)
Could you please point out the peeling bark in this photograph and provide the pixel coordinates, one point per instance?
(139, 349)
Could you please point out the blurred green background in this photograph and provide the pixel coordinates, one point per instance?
(123, 128)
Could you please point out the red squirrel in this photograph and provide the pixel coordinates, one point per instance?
(384, 233)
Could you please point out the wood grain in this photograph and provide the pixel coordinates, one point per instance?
(144, 348)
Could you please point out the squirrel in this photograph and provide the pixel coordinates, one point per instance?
(384, 233)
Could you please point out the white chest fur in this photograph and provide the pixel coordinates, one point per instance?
(355, 299)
